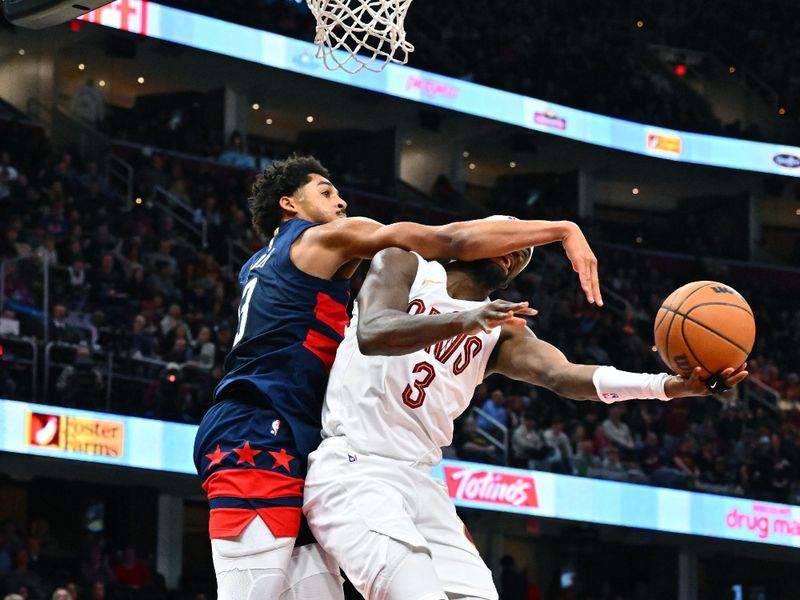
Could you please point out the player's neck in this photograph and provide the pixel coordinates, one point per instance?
(462, 286)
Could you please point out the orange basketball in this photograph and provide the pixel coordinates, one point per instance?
(706, 324)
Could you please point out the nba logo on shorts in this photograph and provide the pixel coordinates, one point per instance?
(276, 425)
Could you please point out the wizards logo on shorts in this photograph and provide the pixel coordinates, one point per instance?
(276, 425)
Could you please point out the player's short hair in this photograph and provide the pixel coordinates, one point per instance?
(281, 178)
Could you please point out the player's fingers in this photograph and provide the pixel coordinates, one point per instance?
(515, 322)
(737, 379)
(586, 283)
(527, 311)
(598, 295)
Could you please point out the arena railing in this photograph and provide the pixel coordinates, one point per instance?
(124, 377)
(183, 213)
(17, 354)
(500, 443)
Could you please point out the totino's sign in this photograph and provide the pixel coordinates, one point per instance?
(75, 434)
(493, 487)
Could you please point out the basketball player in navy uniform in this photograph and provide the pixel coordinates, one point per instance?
(252, 446)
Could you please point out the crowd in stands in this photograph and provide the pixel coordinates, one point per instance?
(582, 54)
(137, 285)
(35, 565)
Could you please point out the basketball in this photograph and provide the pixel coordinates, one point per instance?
(706, 324)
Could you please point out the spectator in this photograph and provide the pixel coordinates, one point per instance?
(72, 590)
(47, 252)
(78, 289)
(60, 594)
(612, 466)
(172, 319)
(131, 572)
(554, 437)
(23, 577)
(96, 567)
(474, 447)
(585, 463)
(527, 444)
(142, 344)
(98, 591)
(684, 460)
(81, 384)
(494, 407)
(618, 432)
(513, 583)
(203, 349)
(60, 329)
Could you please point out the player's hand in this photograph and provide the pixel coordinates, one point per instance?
(584, 263)
(679, 386)
(497, 313)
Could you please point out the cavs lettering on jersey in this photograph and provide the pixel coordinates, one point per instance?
(403, 406)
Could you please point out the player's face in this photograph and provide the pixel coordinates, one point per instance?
(512, 264)
(319, 201)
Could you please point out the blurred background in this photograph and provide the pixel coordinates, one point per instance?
(128, 143)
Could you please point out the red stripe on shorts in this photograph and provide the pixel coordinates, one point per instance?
(252, 483)
(283, 521)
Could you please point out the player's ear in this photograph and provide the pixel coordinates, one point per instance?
(288, 205)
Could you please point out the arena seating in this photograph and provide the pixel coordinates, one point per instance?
(136, 296)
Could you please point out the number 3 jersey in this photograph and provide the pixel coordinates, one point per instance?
(290, 325)
(403, 407)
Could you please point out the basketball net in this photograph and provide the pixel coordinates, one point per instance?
(361, 34)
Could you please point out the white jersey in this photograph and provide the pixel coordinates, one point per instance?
(403, 406)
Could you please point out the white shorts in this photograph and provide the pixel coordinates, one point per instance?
(352, 501)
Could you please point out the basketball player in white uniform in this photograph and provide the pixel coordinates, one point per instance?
(421, 338)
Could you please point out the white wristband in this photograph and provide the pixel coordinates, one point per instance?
(614, 386)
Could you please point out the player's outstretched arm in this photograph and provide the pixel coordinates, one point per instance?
(386, 328)
(521, 355)
(357, 238)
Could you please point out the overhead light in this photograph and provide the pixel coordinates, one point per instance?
(465, 154)
(639, 24)
(781, 111)
(81, 67)
(731, 69)
(639, 239)
(268, 121)
(140, 79)
(256, 106)
(102, 83)
(21, 51)
(512, 164)
(471, 166)
(797, 212)
(635, 191)
(138, 200)
(680, 69)
(310, 119)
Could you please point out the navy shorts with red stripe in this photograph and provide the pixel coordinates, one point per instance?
(248, 466)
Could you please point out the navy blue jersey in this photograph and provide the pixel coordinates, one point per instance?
(290, 325)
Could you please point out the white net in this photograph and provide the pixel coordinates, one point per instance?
(361, 34)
